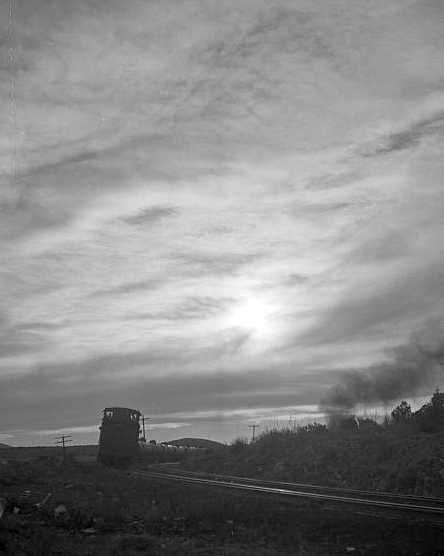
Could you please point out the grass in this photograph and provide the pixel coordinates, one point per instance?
(373, 459)
(130, 515)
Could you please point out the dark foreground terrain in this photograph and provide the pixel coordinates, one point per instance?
(92, 510)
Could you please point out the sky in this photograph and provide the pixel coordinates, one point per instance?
(210, 209)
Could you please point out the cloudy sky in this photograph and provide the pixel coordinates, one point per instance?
(210, 209)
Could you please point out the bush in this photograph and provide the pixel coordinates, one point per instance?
(400, 456)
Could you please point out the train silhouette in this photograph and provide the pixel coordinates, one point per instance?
(119, 440)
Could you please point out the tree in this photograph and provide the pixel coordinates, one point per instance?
(437, 401)
(431, 415)
(402, 413)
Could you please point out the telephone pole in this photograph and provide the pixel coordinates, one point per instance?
(143, 427)
(254, 427)
(62, 441)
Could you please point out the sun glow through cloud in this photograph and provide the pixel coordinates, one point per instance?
(254, 315)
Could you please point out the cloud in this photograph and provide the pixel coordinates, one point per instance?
(39, 326)
(194, 262)
(69, 430)
(401, 299)
(411, 137)
(130, 287)
(24, 215)
(294, 279)
(190, 308)
(390, 246)
(149, 215)
(212, 216)
(171, 425)
(94, 384)
(15, 340)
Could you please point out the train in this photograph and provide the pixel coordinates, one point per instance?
(119, 439)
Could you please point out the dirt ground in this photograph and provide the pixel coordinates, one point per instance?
(80, 508)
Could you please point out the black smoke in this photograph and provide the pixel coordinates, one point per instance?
(414, 366)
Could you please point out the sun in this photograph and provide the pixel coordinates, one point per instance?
(253, 315)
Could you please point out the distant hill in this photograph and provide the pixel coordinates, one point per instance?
(196, 443)
(5, 445)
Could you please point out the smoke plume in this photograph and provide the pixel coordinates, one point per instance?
(415, 365)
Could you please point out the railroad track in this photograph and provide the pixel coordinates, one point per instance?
(377, 500)
(313, 488)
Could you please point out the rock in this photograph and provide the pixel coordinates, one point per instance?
(60, 512)
(89, 531)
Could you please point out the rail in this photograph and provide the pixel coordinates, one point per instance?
(300, 490)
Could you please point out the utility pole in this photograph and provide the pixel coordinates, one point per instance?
(254, 427)
(143, 427)
(62, 441)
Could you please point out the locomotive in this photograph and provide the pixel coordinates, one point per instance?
(119, 436)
